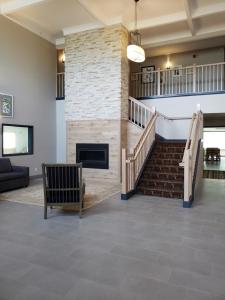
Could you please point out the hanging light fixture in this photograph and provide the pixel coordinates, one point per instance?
(134, 51)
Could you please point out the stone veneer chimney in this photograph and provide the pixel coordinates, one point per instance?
(96, 88)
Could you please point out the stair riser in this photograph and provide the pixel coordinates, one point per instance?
(164, 169)
(178, 177)
(169, 150)
(161, 194)
(168, 156)
(168, 162)
(163, 185)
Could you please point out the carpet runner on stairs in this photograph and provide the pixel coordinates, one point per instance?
(162, 175)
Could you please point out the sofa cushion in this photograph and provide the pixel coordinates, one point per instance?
(5, 165)
(11, 176)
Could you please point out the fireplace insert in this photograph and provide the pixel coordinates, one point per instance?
(93, 156)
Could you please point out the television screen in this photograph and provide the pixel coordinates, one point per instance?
(17, 140)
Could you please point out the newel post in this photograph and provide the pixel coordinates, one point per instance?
(187, 177)
(124, 171)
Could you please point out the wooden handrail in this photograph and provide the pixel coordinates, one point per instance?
(191, 153)
(189, 137)
(136, 151)
(139, 103)
(172, 118)
(132, 164)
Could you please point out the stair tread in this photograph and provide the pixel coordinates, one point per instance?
(162, 180)
(163, 165)
(164, 173)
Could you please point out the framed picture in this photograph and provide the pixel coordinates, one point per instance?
(147, 75)
(6, 105)
(177, 71)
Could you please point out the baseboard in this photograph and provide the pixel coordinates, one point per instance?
(128, 195)
(188, 204)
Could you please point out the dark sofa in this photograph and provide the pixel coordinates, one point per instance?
(12, 177)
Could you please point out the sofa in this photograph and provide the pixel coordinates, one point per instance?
(12, 177)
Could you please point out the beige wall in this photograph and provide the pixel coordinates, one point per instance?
(27, 71)
(96, 93)
(134, 133)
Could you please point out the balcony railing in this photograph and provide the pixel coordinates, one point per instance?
(60, 86)
(196, 79)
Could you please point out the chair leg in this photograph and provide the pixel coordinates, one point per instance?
(81, 213)
(81, 209)
(45, 212)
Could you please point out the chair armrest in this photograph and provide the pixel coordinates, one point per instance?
(21, 169)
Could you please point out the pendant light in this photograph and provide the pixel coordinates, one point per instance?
(134, 51)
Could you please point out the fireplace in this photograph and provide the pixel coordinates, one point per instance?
(93, 156)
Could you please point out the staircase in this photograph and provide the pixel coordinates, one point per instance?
(162, 176)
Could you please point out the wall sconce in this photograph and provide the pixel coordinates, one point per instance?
(168, 63)
(63, 58)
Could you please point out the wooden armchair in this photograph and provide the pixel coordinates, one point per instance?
(63, 186)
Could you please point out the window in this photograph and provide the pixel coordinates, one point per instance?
(17, 140)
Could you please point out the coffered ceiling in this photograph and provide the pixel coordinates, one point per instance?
(161, 22)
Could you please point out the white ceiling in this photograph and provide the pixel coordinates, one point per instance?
(161, 22)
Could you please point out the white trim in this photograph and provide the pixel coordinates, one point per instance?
(60, 41)
(81, 28)
(187, 6)
(12, 6)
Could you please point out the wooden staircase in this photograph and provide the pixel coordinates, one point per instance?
(162, 175)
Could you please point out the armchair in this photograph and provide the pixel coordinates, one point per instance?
(63, 186)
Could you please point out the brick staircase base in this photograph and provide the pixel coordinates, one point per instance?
(162, 175)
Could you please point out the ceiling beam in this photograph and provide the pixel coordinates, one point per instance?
(208, 10)
(158, 21)
(15, 5)
(187, 7)
(182, 37)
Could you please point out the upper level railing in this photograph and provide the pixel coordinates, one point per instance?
(60, 86)
(196, 79)
(191, 155)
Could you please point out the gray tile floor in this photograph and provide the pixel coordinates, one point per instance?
(144, 248)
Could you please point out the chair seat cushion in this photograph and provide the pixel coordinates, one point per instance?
(11, 176)
(5, 165)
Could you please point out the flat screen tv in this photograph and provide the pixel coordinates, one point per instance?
(17, 140)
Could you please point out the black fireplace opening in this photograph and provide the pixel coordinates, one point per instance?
(93, 156)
